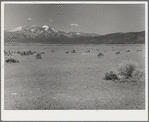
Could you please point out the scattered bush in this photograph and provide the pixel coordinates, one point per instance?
(126, 68)
(127, 50)
(73, 51)
(8, 54)
(12, 60)
(18, 52)
(100, 55)
(127, 71)
(38, 56)
(88, 51)
(42, 52)
(118, 52)
(138, 75)
(111, 76)
(27, 53)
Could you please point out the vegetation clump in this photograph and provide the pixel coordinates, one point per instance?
(127, 50)
(139, 50)
(38, 56)
(73, 51)
(18, 52)
(126, 71)
(7, 53)
(27, 53)
(110, 76)
(100, 55)
(126, 68)
(88, 51)
(42, 52)
(12, 60)
(118, 52)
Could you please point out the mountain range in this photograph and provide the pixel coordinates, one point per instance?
(46, 34)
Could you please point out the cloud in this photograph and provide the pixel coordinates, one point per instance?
(74, 24)
(29, 19)
(50, 20)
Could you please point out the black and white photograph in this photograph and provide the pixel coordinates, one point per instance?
(74, 59)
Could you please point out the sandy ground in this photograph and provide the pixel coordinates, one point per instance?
(72, 80)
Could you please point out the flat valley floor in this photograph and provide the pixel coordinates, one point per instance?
(70, 81)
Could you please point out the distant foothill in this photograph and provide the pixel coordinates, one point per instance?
(46, 34)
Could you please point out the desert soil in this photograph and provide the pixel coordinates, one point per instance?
(71, 80)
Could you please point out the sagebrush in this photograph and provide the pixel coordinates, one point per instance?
(126, 71)
(126, 68)
(12, 60)
(111, 76)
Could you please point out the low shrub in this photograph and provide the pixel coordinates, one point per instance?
(67, 52)
(118, 52)
(73, 51)
(127, 50)
(18, 52)
(126, 68)
(111, 76)
(88, 51)
(127, 71)
(27, 53)
(138, 75)
(139, 50)
(38, 56)
(12, 60)
(100, 55)
(9, 53)
(42, 52)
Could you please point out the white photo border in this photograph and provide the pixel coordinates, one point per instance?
(74, 115)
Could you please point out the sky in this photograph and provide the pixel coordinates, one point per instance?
(89, 18)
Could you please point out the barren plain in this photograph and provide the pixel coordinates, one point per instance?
(70, 80)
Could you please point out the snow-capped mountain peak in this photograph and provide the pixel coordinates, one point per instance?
(16, 29)
(44, 32)
(54, 30)
(78, 33)
(45, 27)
